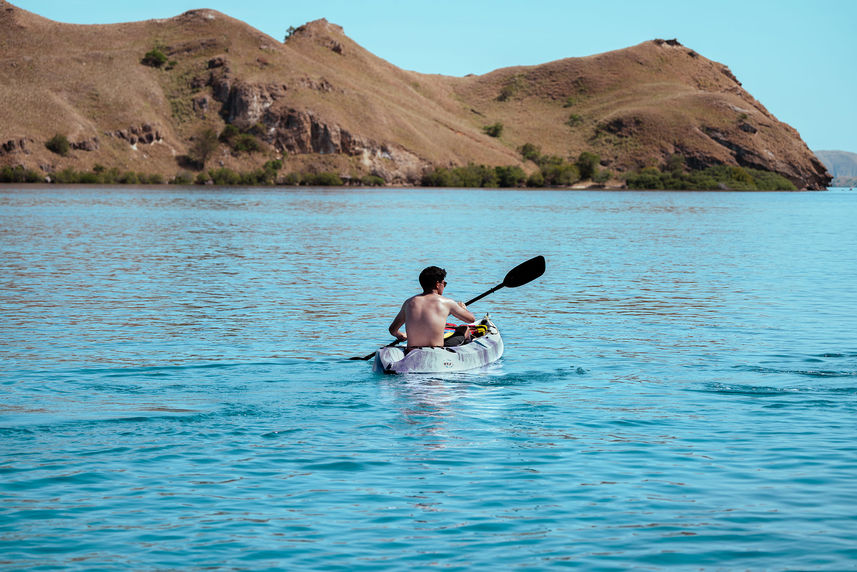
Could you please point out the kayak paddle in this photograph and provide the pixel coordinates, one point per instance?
(517, 276)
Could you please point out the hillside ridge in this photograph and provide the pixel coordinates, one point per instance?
(320, 102)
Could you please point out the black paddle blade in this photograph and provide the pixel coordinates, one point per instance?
(525, 272)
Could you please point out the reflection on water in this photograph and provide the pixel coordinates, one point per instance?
(175, 383)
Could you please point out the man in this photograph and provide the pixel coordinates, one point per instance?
(424, 315)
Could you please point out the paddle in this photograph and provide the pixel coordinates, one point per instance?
(517, 276)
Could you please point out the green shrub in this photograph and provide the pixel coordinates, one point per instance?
(246, 143)
(475, 176)
(240, 142)
(675, 163)
(229, 134)
(224, 176)
(602, 176)
(59, 144)
(273, 165)
(203, 146)
(67, 176)
(648, 179)
(560, 174)
(507, 92)
(109, 176)
(587, 164)
(717, 177)
(513, 176)
(530, 152)
(574, 120)
(372, 181)
(321, 180)
(292, 179)
(182, 179)
(439, 177)
(556, 171)
(494, 130)
(768, 181)
(154, 58)
(88, 178)
(19, 175)
(129, 178)
(536, 180)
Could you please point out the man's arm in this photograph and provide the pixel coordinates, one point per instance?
(460, 311)
(398, 322)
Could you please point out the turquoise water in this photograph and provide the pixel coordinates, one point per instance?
(679, 389)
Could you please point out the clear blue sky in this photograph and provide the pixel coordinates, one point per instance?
(798, 57)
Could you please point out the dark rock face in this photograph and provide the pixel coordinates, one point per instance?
(805, 172)
(144, 133)
(88, 145)
(15, 146)
(265, 109)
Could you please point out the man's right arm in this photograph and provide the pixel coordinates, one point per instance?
(398, 322)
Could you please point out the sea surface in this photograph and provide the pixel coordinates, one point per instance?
(679, 390)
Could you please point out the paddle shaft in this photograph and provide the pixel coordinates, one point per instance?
(482, 295)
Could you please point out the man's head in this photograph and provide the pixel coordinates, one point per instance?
(430, 276)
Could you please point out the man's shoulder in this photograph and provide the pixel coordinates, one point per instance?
(430, 298)
(417, 299)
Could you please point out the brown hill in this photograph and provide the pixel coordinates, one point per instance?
(332, 106)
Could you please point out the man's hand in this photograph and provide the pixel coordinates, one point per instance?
(401, 337)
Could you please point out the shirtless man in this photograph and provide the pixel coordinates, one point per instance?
(424, 315)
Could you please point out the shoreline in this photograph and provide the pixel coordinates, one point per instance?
(575, 188)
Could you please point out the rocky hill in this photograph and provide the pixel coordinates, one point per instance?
(842, 165)
(143, 96)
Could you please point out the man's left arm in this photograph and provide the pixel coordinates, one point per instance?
(460, 311)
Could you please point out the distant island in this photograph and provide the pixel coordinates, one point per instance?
(204, 98)
(842, 165)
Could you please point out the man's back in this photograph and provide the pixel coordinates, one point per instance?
(424, 315)
(425, 319)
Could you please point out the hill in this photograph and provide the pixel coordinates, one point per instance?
(842, 165)
(146, 97)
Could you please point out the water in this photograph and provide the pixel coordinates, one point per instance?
(678, 391)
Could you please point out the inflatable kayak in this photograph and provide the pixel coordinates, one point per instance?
(478, 352)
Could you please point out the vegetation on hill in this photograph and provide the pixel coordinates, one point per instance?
(58, 144)
(720, 177)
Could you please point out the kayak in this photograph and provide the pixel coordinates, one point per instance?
(478, 352)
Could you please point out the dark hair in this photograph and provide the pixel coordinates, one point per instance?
(431, 276)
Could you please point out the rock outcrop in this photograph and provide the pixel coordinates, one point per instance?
(14, 146)
(265, 109)
(145, 133)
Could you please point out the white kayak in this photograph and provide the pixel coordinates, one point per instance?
(476, 353)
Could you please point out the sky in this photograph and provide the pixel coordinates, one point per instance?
(797, 57)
